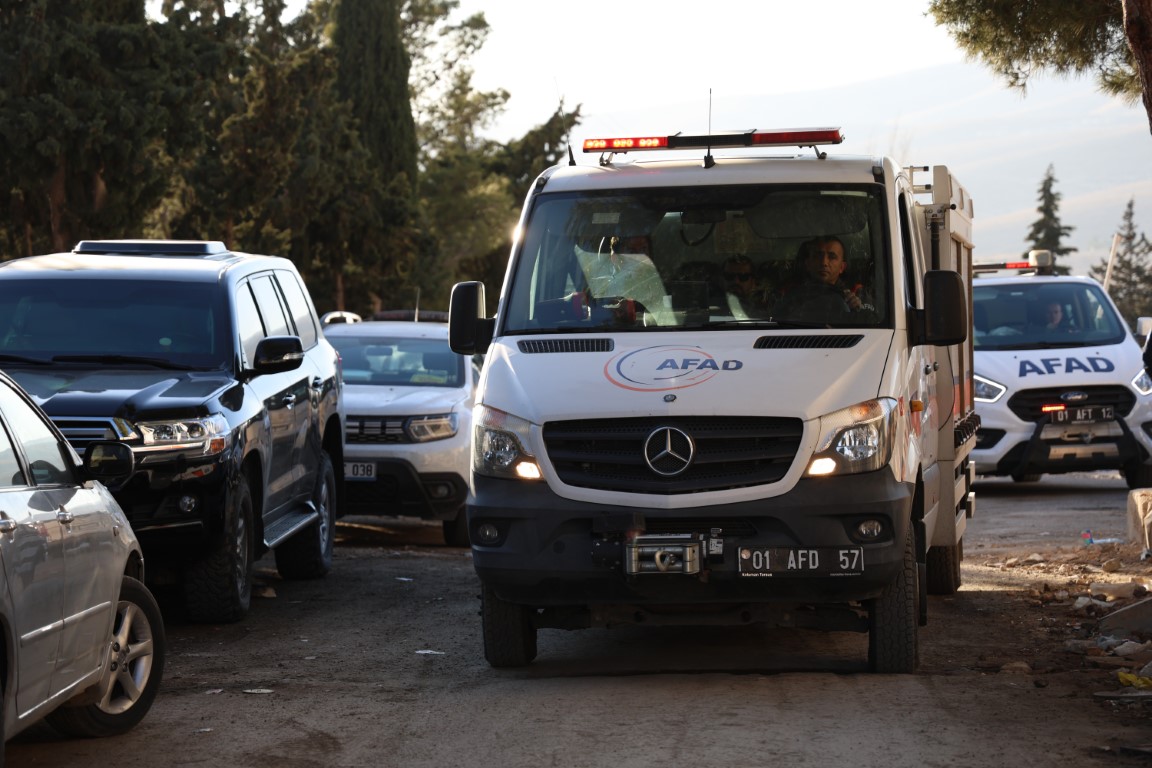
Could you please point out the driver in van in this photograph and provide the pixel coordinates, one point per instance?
(822, 294)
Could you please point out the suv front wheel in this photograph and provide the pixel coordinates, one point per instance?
(218, 587)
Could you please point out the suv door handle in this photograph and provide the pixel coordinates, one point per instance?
(288, 401)
(64, 516)
(317, 383)
(7, 524)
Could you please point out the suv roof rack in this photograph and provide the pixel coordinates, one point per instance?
(152, 247)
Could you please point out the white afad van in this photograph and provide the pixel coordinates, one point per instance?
(1060, 383)
(723, 389)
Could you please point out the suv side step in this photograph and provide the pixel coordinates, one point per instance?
(284, 527)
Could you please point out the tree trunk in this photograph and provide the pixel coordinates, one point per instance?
(1138, 30)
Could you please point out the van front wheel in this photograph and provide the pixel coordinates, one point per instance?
(509, 634)
(894, 619)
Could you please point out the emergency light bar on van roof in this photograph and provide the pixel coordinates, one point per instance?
(796, 137)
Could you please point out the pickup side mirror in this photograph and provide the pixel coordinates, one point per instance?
(944, 319)
(469, 332)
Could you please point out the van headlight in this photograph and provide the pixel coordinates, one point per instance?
(986, 390)
(1142, 383)
(858, 438)
(205, 436)
(498, 445)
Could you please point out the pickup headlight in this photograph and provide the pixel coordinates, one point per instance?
(498, 446)
(423, 429)
(986, 390)
(855, 439)
(1142, 383)
(206, 436)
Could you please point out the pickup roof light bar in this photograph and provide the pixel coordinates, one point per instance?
(796, 137)
(1038, 262)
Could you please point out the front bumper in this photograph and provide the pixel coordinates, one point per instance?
(551, 551)
(1009, 446)
(399, 489)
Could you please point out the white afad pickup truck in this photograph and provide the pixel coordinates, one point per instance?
(723, 389)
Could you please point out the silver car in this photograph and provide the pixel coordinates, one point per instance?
(82, 637)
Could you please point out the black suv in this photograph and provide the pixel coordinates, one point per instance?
(210, 364)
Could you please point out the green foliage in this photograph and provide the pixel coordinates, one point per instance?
(1047, 233)
(1131, 273)
(93, 105)
(1018, 39)
(348, 138)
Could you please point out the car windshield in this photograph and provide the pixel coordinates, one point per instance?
(1026, 315)
(702, 257)
(128, 322)
(398, 361)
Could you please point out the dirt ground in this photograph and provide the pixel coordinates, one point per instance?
(380, 664)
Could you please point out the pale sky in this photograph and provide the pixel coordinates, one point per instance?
(883, 71)
(620, 55)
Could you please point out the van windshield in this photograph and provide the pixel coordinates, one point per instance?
(702, 257)
(1043, 314)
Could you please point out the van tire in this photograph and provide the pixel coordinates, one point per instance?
(894, 619)
(308, 554)
(509, 634)
(943, 569)
(1137, 474)
(218, 586)
(1031, 477)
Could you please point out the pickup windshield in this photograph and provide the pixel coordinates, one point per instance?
(711, 258)
(1042, 315)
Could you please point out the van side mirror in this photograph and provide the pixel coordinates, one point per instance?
(469, 332)
(944, 319)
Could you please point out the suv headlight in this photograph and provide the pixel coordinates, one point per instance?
(206, 436)
(422, 429)
(986, 390)
(855, 439)
(1142, 383)
(498, 445)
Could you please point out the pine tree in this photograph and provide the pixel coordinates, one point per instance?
(1047, 232)
(1129, 282)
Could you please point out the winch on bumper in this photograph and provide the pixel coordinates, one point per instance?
(534, 548)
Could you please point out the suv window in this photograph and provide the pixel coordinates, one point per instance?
(248, 319)
(271, 310)
(299, 308)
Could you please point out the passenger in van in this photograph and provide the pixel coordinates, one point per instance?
(1054, 319)
(821, 295)
(744, 287)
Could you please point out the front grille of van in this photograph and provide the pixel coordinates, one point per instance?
(729, 452)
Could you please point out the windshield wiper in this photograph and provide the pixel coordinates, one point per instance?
(758, 322)
(6, 358)
(155, 362)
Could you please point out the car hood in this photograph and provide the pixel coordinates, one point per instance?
(119, 393)
(375, 400)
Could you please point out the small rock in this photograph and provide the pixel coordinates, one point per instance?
(1016, 668)
(1112, 564)
(1130, 648)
